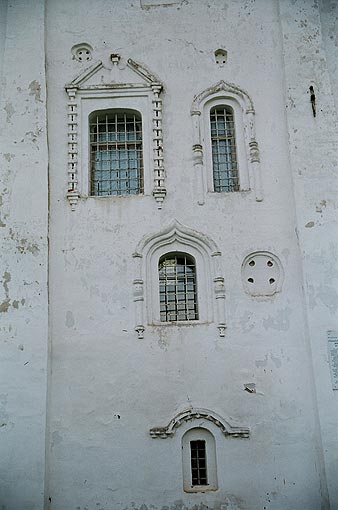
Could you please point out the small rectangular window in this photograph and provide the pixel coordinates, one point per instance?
(198, 463)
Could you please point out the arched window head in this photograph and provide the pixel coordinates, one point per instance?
(178, 287)
(223, 141)
(116, 163)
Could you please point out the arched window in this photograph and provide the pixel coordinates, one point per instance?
(178, 287)
(116, 163)
(199, 461)
(224, 158)
(224, 142)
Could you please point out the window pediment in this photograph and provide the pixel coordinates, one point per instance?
(198, 414)
(120, 75)
(124, 84)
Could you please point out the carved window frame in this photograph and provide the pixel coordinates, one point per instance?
(192, 419)
(210, 283)
(204, 434)
(84, 98)
(226, 94)
(242, 164)
(116, 100)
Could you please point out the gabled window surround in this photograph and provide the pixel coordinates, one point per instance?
(107, 93)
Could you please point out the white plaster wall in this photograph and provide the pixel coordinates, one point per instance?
(313, 151)
(23, 268)
(108, 388)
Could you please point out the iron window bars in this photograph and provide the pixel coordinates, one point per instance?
(116, 153)
(178, 292)
(224, 159)
(198, 463)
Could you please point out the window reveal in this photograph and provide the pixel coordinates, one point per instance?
(224, 159)
(198, 463)
(116, 154)
(178, 293)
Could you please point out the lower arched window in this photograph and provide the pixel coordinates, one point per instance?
(116, 153)
(223, 142)
(199, 461)
(178, 287)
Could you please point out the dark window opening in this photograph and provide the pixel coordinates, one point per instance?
(224, 159)
(116, 153)
(198, 463)
(178, 288)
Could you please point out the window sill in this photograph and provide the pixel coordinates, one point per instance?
(201, 488)
(179, 323)
(229, 193)
(113, 197)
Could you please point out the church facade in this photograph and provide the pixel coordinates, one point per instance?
(168, 297)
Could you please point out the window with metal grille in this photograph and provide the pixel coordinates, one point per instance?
(224, 159)
(198, 463)
(178, 288)
(116, 153)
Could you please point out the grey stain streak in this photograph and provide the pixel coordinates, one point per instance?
(329, 297)
(6, 303)
(35, 90)
(8, 156)
(280, 322)
(69, 319)
(262, 363)
(9, 109)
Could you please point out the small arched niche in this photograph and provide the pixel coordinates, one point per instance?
(221, 57)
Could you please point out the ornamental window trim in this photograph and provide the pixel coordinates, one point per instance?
(199, 464)
(211, 291)
(85, 88)
(231, 95)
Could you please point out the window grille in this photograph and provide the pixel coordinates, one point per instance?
(116, 153)
(178, 293)
(224, 159)
(198, 463)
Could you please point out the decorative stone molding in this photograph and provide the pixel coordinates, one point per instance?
(224, 91)
(178, 237)
(198, 414)
(108, 84)
(262, 274)
(82, 52)
(73, 192)
(159, 191)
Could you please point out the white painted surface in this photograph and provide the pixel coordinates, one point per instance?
(24, 262)
(107, 388)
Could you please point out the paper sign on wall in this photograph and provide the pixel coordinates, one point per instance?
(332, 338)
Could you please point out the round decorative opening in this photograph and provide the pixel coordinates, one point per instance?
(82, 52)
(262, 274)
(221, 57)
